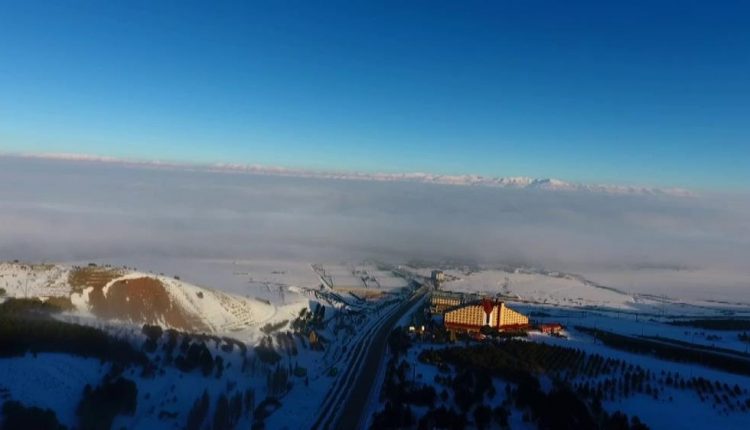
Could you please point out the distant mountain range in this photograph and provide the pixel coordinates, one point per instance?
(515, 182)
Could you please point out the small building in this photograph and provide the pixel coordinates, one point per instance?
(437, 277)
(471, 317)
(440, 301)
(551, 328)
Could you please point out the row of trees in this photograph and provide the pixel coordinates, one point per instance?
(729, 324)
(681, 353)
(227, 413)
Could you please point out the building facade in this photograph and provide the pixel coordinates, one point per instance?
(551, 328)
(441, 301)
(437, 277)
(473, 316)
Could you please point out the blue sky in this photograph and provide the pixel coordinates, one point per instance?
(640, 92)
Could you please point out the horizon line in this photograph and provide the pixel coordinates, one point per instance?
(466, 179)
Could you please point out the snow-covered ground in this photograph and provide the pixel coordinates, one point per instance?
(34, 280)
(236, 298)
(648, 291)
(241, 314)
(366, 276)
(675, 408)
(637, 302)
(56, 381)
(538, 287)
(686, 284)
(685, 410)
(52, 381)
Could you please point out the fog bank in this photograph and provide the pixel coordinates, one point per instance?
(70, 210)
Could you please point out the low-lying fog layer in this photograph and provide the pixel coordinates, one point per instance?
(71, 210)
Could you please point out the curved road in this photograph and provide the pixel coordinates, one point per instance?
(347, 400)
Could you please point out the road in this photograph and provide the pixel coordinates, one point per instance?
(346, 402)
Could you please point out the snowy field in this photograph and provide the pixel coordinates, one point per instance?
(34, 280)
(360, 276)
(537, 287)
(654, 291)
(726, 286)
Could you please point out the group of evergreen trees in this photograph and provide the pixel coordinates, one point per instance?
(270, 328)
(227, 413)
(18, 416)
(100, 405)
(266, 352)
(308, 320)
(196, 355)
(26, 327)
(467, 373)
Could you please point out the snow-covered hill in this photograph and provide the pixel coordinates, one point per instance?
(137, 297)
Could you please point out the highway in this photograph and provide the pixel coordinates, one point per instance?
(347, 400)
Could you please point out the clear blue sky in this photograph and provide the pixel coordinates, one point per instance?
(644, 92)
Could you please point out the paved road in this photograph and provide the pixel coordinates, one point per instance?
(356, 403)
(347, 401)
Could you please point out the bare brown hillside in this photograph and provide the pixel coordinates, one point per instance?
(92, 276)
(142, 300)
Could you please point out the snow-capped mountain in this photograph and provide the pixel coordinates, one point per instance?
(513, 182)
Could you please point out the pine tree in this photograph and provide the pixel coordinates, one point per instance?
(221, 415)
(198, 412)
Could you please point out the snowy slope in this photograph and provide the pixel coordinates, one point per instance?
(34, 280)
(203, 309)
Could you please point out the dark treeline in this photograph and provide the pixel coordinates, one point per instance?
(18, 416)
(270, 328)
(673, 352)
(99, 406)
(728, 324)
(512, 362)
(19, 307)
(266, 352)
(26, 327)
